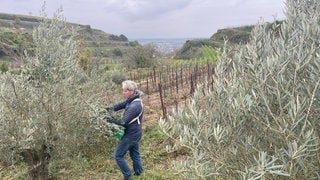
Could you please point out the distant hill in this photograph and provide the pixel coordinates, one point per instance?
(16, 35)
(235, 36)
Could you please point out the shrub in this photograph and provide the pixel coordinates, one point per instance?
(118, 38)
(50, 107)
(4, 67)
(133, 43)
(261, 119)
(123, 37)
(118, 77)
(84, 59)
(117, 52)
(141, 57)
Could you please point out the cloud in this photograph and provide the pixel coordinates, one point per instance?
(135, 10)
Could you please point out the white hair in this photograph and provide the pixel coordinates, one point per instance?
(129, 85)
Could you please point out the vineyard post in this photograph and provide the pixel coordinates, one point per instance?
(197, 73)
(148, 86)
(208, 74)
(164, 110)
(181, 75)
(154, 77)
(134, 76)
(192, 84)
(211, 75)
(170, 80)
(177, 82)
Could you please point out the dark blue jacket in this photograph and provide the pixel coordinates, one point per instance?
(132, 109)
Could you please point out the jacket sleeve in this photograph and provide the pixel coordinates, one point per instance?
(131, 112)
(116, 107)
(120, 105)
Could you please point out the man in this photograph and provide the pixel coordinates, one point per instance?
(132, 122)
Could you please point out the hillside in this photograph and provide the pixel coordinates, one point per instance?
(237, 35)
(16, 36)
(234, 36)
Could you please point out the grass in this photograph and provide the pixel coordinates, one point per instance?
(156, 162)
(17, 172)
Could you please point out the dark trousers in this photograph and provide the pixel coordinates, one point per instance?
(125, 145)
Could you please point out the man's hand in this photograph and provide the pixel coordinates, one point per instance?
(110, 119)
(114, 120)
(109, 109)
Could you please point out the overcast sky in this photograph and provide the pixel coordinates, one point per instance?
(155, 18)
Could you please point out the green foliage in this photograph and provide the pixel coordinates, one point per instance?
(84, 59)
(50, 101)
(118, 77)
(113, 66)
(133, 43)
(210, 54)
(15, 42)
(260, 120)
(17, 22)
(192, 48)
(99, 52)
(123, 37)
(141, 57)
(239, 35)
(3, 66)
(117, 52)
(118, 38)
(245, 28)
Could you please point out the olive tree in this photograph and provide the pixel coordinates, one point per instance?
(49, 106)
(261, 119)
